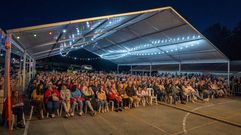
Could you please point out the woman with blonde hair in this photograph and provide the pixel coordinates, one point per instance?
(88, 95)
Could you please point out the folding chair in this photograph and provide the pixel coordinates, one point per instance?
(152, 95)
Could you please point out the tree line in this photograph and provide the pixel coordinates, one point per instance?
(227, 40)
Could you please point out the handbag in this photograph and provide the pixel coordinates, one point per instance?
(55, 98)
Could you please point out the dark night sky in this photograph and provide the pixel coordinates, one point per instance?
(200, 13)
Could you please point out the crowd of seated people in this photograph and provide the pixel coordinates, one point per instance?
(52, 93)
(98, 91)
(236, 84)
(16, 99)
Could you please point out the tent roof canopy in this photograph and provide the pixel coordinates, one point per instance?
(152, 36)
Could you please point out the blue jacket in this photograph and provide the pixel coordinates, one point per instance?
(76, 94)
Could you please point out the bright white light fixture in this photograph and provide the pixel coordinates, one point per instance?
(88, 24)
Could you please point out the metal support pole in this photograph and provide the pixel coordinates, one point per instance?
(117, 68)
(150, 68)
(229, 74)
(24, 70)
(7, 81)
(180, 68)
(29, 69)
(20, 72)
(131, 69)
(34, 67)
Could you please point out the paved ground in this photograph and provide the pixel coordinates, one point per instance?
(152, 120)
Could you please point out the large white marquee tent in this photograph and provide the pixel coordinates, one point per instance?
(150, 37)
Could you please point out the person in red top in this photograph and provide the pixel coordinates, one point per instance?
(115, 97)
(51, 98)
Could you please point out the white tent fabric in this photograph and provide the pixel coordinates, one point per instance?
(157, 36)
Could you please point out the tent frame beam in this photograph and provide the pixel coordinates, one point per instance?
(84, 20)
(174, 63)
(145, 35)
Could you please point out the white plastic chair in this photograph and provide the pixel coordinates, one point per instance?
(31, 112)
(188, 98)
(170, 99)
(153, 97)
